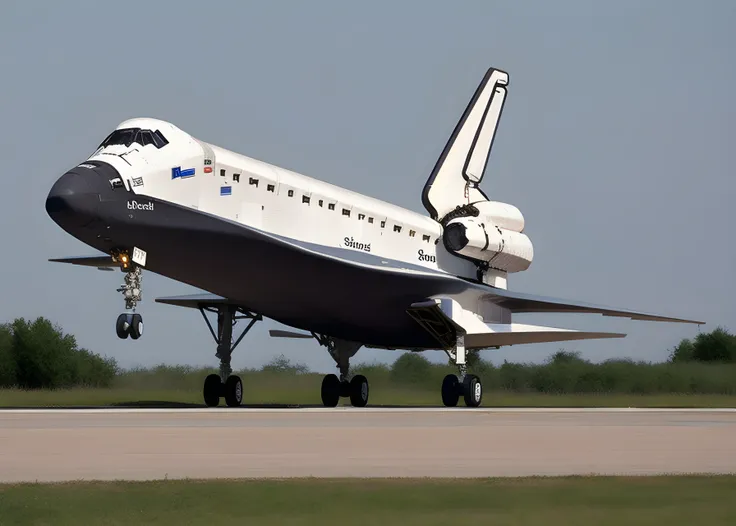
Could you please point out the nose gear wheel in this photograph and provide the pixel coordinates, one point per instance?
(130, 323)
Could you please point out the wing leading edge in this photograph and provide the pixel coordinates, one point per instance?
(101, 261)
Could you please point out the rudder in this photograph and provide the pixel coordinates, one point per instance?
(459, 170)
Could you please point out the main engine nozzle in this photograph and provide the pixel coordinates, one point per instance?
(455, 236)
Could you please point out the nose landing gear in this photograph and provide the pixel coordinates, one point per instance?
(130, 323)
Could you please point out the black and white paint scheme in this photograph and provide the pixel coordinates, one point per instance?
(345, 269)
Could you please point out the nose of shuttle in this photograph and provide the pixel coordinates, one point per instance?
(74, 199)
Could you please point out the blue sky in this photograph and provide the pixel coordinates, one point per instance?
(616, 143)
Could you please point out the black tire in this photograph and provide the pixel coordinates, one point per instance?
(450, 390)
(121, 326)
(330, 390)
(211, 391)
(359, 391)
(136, 326)
(472, 390)
(233, 391)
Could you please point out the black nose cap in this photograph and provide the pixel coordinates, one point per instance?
(73, 201)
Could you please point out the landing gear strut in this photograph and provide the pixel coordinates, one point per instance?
(226, 385)
(355, 388)
(130, 323)
(467, 385)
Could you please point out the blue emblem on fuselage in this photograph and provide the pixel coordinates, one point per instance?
(178, 173)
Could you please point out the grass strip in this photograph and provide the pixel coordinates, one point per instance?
(677, 500)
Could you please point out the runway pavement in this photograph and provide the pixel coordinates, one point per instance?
(57, 445)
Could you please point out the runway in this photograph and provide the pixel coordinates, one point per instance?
(141, 444)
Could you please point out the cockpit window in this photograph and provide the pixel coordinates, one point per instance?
(146, 137)
(125, 137)
(128, 136)
(159, 139)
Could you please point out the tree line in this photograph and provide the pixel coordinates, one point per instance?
(39, 355)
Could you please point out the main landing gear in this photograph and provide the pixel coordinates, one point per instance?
(333, 388)
(130, 323)
(467, 385)
(226, 385)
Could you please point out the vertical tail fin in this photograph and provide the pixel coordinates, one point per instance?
(459, 170)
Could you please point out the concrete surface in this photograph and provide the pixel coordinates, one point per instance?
(57, 445)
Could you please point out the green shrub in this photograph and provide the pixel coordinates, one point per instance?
(281, 364)
(410, 368)
(718, 345)
(41, 356)
(375, 372)
(515, 377)
(683, 352)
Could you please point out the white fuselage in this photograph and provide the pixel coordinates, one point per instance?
(278, 201)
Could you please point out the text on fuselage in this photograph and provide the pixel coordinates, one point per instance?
(351, 243)
(426, 257)
(135, 205)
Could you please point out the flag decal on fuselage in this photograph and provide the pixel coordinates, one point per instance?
(226, 190)
(178, 173)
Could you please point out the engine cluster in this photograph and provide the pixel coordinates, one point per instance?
(490, 232)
